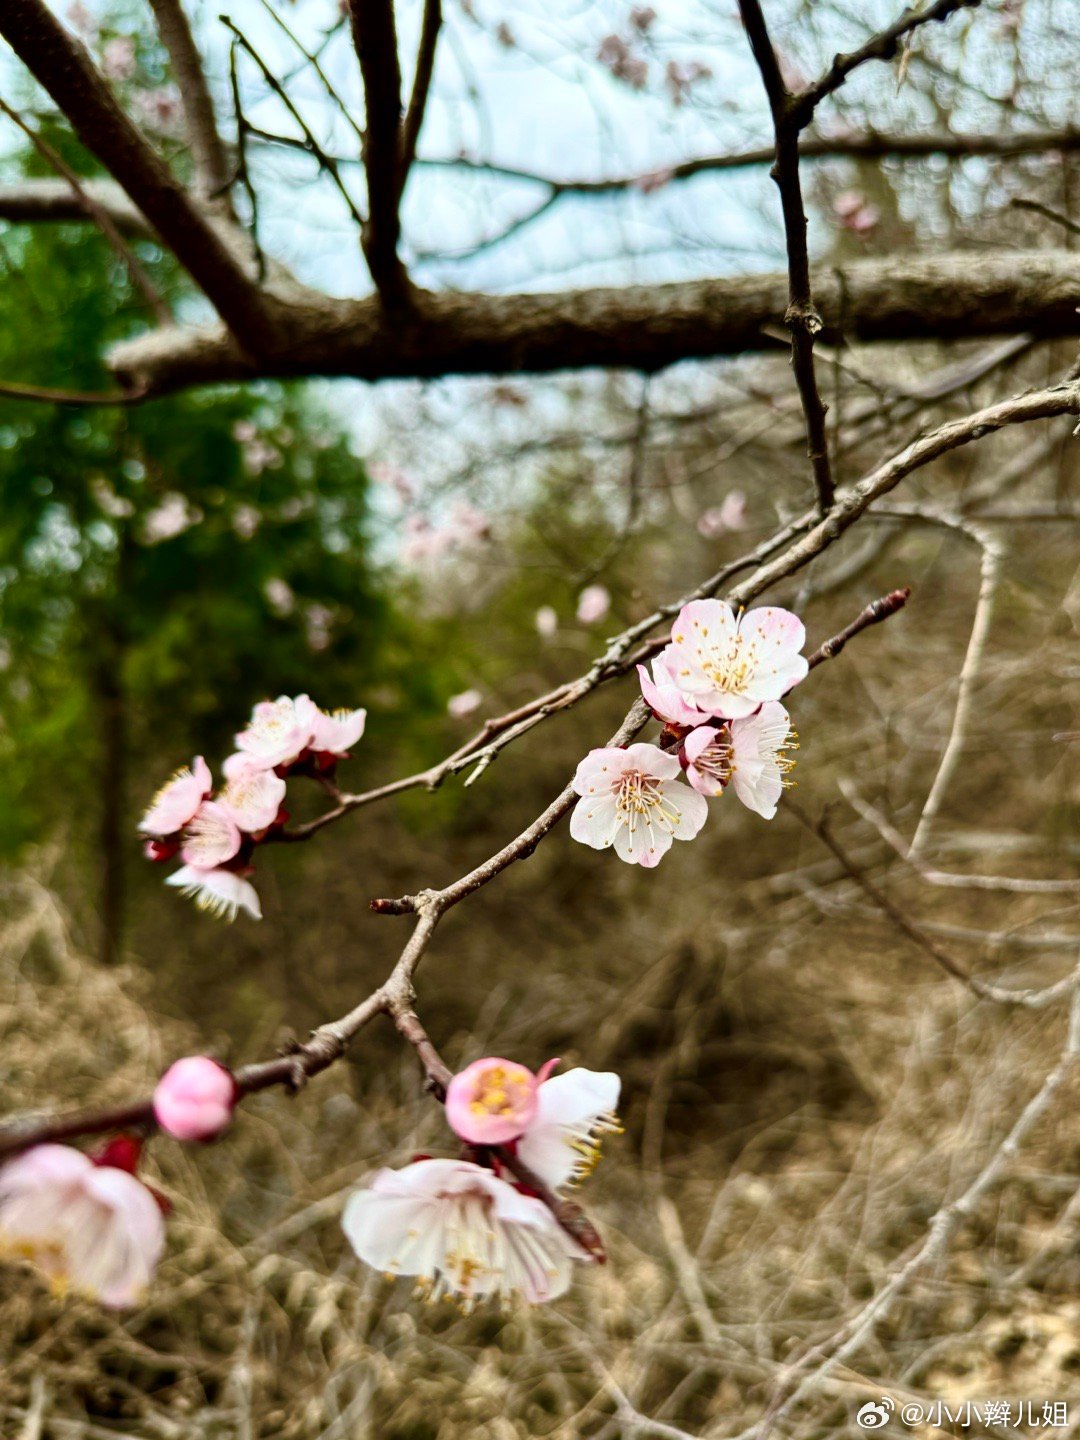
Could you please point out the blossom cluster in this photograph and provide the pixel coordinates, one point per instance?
(466, 1228)
(463, 1227)
(215, 833)
(717, 688)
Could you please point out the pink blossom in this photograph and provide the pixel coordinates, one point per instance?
(855, 212)
(177, 800)
(633, 800)
(679, 79)
(318, 620)
(491, 1101)
(221, 893)
(92, 1228)
(279, 731)
(385, 474)
(726, 666)
(546, 621)
(574, 1111)
(246, 520)
(654, 180)
(729, 515)
(159, 108)
(80, 18)
(594, 602)
(194, 1099)
(468, 525)
(118, 58)
(749, 753)
(170, 518)
(252, 797)
(460, 707)
(244, 431)
(461, 1231)
(337, 732)
(279, 596)
(211, 837)
(665, 699)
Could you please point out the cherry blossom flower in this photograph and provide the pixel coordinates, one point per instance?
(460, 707)
(177, 800)
(633, 799)
(855, 212)
(729, 515)
(749, 753)
(594, 602)
(574, 1111)
(461, 1231)
(546, 621)
(280, 596)
(252, 797)
(118, 58)
(221, 893)
(88, 1227)
(170, 518)
(279, 730)
(211, 837)
(194, 1099)
(665, 699)
(491, 1101)
(336, 732)
(728, 666)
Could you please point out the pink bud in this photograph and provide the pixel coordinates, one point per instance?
(492, 1101)
(194, 1099)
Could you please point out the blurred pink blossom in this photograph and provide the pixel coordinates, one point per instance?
(731, 514)
(89, 1227)
(546, 621)
(460, 707)
(118, 58)
(594, 602)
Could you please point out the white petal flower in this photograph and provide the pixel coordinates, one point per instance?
(220, 892)
(337, 732)
(92, 1228)
(278, 731)
(461, 1231)
(633, 799)
(177, 800)
(562, 1143)
(211, 838)
(759, 761)
(252, 797)
(727, 666)
(749, 754)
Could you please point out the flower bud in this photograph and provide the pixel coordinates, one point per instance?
(194, 1099)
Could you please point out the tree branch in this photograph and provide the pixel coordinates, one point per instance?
(425, 65)
(961, 295)
(63, 67)
(874, 145)
(212, 173)
(375, 38)
(882, 46)
(33, 201)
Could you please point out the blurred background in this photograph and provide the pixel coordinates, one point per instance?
(804, 1090)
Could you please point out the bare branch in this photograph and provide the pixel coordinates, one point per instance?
(34, 201)
(875, 145)
(882, 46)
(425, 65)
(212, 174)
(375, 37)
(966, 294)
(801, 316)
